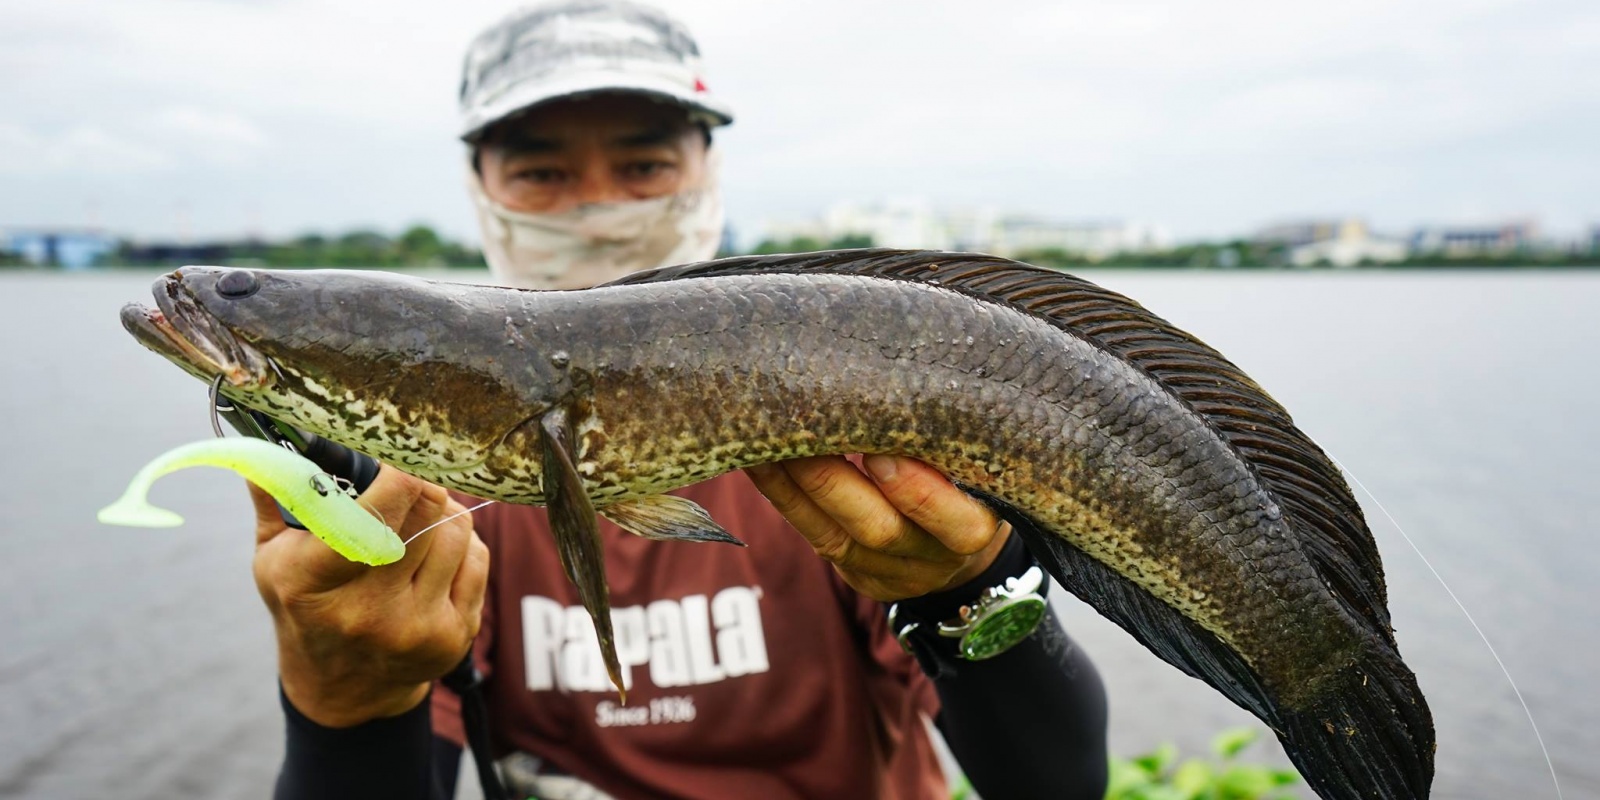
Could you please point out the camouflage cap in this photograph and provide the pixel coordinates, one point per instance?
(568, 49)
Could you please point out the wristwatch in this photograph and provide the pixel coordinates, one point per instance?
(1001, 617)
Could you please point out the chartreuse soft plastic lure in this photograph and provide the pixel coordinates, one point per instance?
(310, 494)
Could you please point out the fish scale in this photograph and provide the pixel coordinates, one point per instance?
(1116, 399)
(1145, 472)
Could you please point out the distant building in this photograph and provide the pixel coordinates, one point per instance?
(1594, 239)
(1303, 232)
(1093, 239)
(1343, 242)
(69, 248)
(1473, 240)
(916, 224)
(905, 223)
(1348, 252)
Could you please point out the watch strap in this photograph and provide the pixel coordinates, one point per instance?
(915, 621)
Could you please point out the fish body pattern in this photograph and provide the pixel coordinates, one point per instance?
(1149, 475)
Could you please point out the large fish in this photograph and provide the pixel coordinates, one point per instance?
(1148, 474)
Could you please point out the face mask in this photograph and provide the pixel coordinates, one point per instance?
(599, 242)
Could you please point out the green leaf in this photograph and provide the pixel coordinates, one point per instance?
(1157, 763)
(1124, 780)
(1285, 777)
(1228, 743)
(1246, 783)
(1192, 779)
(1162, 792)
(1158, 775)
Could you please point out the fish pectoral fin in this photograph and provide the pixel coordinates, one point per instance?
(666, 518)
(577, 533)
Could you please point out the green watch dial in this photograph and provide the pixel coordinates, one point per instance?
(1001, 627)
(1002, 616)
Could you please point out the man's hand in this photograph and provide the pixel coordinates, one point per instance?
(904, 532)
(356, 643)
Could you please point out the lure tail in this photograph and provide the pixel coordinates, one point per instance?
(298, 484)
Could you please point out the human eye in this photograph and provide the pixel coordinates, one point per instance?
(646, 169)
(649, 176)
(541, 175)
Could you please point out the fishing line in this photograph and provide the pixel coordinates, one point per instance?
(374, 512)
(1481, 635)
(443, 521)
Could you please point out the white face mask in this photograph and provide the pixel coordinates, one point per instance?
(595, 243)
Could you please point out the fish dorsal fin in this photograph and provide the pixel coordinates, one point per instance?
(1312, 493)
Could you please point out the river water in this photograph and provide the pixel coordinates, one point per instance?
(140, 664)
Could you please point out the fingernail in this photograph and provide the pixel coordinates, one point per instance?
(882, 468)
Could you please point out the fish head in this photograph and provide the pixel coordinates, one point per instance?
(381, 363)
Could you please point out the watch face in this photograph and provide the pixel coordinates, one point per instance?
(1001, 627)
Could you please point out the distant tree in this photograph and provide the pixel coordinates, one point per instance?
(850, 241)
(364, 240)
(420, 245)
(811, 244)
(1052, 257)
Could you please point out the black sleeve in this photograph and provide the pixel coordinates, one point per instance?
(397, 758)
(1030, 722)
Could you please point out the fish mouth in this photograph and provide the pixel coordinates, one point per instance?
(180, 329)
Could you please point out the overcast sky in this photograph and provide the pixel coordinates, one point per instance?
(158, 118)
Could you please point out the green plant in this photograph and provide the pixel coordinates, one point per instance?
(1159, 776)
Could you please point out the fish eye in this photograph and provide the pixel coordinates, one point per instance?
(238, 284)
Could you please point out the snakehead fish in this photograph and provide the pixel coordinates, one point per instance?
(1150, 476)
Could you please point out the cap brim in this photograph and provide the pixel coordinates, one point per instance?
(529, 95)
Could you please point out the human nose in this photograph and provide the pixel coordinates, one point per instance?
(597, 184)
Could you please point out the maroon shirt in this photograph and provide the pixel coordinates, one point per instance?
(751, 672)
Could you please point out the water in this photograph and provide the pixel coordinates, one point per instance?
(141, 662)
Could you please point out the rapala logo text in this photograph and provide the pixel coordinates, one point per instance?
(681, 642)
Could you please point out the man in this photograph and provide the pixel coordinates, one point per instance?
(758, 672)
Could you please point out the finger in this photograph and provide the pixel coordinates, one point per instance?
(293, 557)
(405, 504)
(823, 532)
(468, 591)
(889, 578)
(269, 520)
(858, 505)
(820, 530)
(391, 498)
(304, 564)
(839, 511)
(959, 522)
(448, 547)
(881, 576)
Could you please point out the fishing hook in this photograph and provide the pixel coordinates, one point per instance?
(216, 423)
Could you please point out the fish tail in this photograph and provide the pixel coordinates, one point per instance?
(1364, 734)
(1368, 733)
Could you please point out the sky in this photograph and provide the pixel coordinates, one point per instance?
(163, 119)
